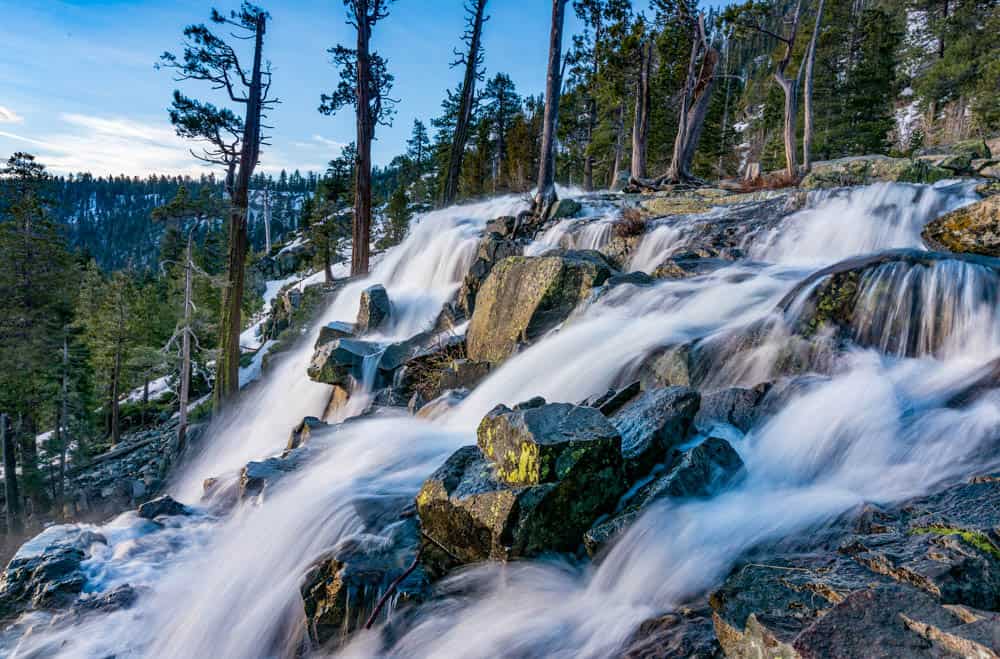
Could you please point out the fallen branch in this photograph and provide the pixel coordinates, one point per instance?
(392, 588)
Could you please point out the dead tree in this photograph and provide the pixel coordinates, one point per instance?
(364, 84)
(473, 61)
(807, 109)
(545, 197)
(695, 97)
(640, 125)
(15, 519)
(209, 58)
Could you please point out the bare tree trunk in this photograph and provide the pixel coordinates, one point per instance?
(62, 425)
(588, 161)
(185, 392)
(807, 133)
(15, 519)
(267, 221)
(619, 147)
(694, 103)
(790, 89)
(468, 100)
(116, 373)
(227, 378)
(546, 195)
(640, 126)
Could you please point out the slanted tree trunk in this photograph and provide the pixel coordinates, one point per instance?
(807, 133)
(227, 378)
(15, 519)
(184, 396)
(640, 126)
(694, 103)
(472, 61)
(546, 195)
(790, 89)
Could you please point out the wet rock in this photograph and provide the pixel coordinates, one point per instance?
(502, 226)
(340, 591)
(652, 424)
(736, 406)
(45, 572)
(989, 188)
(687, 633)
(614, 399)
(117, 599)
(600, 535)
(430, 372)
(165, 505)
(863, 170)
(440, 405)
(701, 471)
(340, 361)
(690, 265)
(333, 331)
(374, 311)
(493, 248)
(545, 443)
(525, 297)
(667, 367)
(973, 229)
(637, 278)
(565, 208)
(302, 432)
(572, 460)
(256, 477)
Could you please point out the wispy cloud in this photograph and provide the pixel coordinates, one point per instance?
(115, 145)
(8, 116)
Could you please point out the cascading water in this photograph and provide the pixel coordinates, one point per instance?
(877, 428)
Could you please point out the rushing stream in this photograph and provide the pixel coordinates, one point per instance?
(875, 427)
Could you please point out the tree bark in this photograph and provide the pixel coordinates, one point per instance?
(640, 126)
(546, 195)
(807, 133)
(361, 227)
(185, 392)
(790, 89)
(15, 519)
(62, 425)
(616, 167)
(694, 103)
(595, 66)
(466, 104)
(116, 373)
(227, 378)
(267, 222)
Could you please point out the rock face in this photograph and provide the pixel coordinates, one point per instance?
(374, 311)
(652, 424)
(863, 170)
(524, 297)
(45, 573)
(972, 229)
(912, 581)
(495, 246)
(540, 476)
(341, 589)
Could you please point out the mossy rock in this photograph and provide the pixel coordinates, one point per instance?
(864, 170)
(545, 443)
(525, 297)
(973, 229)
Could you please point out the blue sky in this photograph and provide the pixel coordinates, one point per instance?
(78, 87)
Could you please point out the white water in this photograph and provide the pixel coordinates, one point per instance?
(876, 430)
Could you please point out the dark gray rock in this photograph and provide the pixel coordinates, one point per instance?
(698, 472)
(652, 424)
(165, 505)
(374, 311)
(736, 406)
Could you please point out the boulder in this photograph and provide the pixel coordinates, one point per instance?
(863, 170)
(735, 406)
(544, 474)
(652, 424)
(374, 311)
(525, 297)
(333, 331)
(340, 360)
(910, 580)
(601, 535)
(698, 472)
(614, 399)
(548, 443)
(495, 246)
(688, 265)
(303, 432)
(686, 633)
(257, 476)
(565, 208)
(46, 573)
(973, 229)
(165, 505)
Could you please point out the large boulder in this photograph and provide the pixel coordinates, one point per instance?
(863, 170)
(46, 572)
(341, 360)
(374, 311)
(652, 424)
(164, 505)
(525, 297)
(973, 229)
(913, 580)
(495, 246)
(545, 474)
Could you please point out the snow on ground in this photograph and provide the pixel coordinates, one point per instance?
(157, 389)
(252, 371)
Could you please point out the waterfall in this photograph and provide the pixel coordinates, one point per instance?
(876, 427)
